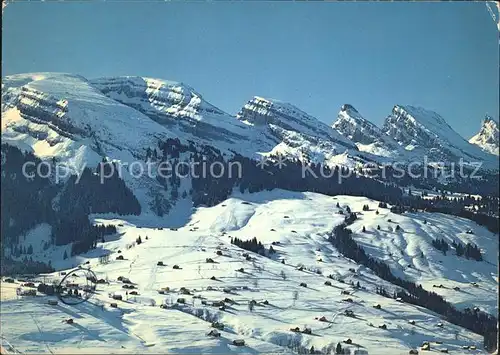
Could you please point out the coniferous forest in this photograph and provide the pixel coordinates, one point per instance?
(28, 201)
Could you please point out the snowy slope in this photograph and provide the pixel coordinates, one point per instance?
(312, 214)
(298, 222)
(427, 133)
(78, 122)
(487, 138)
(367, 136)
(71, 106)
(62, 116)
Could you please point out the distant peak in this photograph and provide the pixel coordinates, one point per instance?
(420, 114)
(349, 113)
(489, 126)
(488, 137)
(348, 107)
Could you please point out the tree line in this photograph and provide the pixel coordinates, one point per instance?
(251, 245)
(470, 251)
(29, 201)
(9, 266)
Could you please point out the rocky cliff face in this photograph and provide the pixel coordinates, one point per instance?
(367, 136)
(487, 137)
(426, 132)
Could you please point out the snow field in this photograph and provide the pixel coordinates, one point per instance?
(297, 223)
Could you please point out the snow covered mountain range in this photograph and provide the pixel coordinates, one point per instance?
(78, 122)
(410, 132)
(81, 120)
(487, 137)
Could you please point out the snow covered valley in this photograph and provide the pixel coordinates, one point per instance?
(306, 283)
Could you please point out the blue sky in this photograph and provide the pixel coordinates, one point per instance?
(318, 55)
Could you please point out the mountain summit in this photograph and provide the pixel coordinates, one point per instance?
(487, 137)
(294, 132)
(367, 136)
(425, 132)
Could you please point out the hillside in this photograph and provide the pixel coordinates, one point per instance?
(297, 223)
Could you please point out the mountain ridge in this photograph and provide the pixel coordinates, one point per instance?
(418, 128)
(96, 110)
(367, 136)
